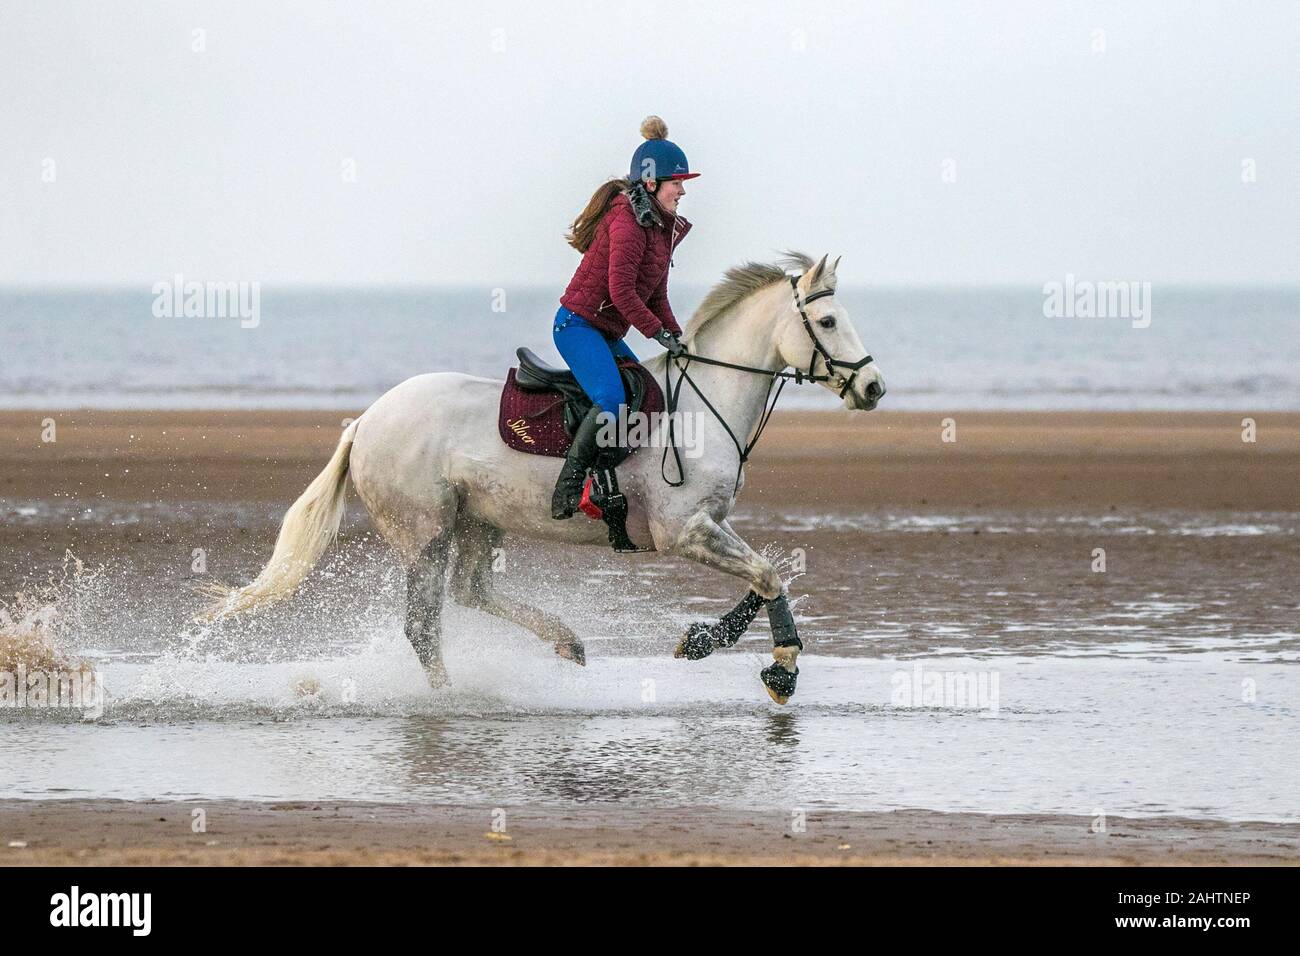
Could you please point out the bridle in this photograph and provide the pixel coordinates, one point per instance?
(819, 349)
(684, 360)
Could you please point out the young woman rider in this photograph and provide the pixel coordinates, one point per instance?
(626, 234)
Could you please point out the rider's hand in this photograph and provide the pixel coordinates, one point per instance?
(670, 342)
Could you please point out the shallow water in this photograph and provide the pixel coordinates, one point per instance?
(1204, 348)
(1166, 685)
(1117, 736)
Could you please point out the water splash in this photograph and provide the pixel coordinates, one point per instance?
(37, 625)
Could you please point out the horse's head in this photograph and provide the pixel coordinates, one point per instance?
(828, 344)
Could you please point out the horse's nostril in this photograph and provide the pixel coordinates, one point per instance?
(874, 390)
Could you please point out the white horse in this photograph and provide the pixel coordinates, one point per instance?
(432, 471)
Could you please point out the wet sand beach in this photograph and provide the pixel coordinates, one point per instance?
(86, 833)
(1012, 459)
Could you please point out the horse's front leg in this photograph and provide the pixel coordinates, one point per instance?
(715, 545)
(703, 638)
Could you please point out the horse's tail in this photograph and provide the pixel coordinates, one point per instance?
(308, 528)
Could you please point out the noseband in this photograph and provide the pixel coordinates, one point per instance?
(683, 362)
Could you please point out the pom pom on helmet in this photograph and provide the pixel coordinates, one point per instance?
(658, 158)
(653, 127)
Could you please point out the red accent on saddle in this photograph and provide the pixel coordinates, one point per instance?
(587, 506)
(533, 422)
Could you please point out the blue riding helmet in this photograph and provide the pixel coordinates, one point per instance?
(658, 158)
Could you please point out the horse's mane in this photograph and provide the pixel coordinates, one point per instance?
(741, 281)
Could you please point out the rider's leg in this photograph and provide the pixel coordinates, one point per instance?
(573, 473)
(621, 351)
(591, 358)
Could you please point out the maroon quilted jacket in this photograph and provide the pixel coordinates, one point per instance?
(623, 277)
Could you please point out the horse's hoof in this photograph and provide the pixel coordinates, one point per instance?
(573, 651)
(780, 683)
(780, 677)
(436, 674)
(697, 644)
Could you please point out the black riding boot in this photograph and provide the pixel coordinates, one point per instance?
(568, 490)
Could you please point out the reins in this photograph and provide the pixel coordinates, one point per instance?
(769, 401)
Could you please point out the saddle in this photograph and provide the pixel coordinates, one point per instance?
(542, 406)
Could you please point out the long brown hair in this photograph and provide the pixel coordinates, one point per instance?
(583, 231)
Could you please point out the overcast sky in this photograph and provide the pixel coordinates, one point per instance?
(1106, 140)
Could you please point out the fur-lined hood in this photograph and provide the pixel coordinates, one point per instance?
(647, 211)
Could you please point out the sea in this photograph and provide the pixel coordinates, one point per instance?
(958, 349)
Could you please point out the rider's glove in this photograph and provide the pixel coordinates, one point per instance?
(670, 342)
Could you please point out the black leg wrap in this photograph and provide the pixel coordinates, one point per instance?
(784, 633)
(697, 644)
(702, 639)
(736, 621)
(779, 681)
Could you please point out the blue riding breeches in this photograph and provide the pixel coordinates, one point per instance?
(590, 356)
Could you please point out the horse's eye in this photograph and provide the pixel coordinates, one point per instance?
(827, 323)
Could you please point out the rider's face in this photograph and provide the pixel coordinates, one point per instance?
(668, 192)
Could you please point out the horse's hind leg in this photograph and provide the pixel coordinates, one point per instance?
(425, 581)
(472, 586)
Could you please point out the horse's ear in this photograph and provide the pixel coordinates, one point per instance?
(829, 277)
(815, 274)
